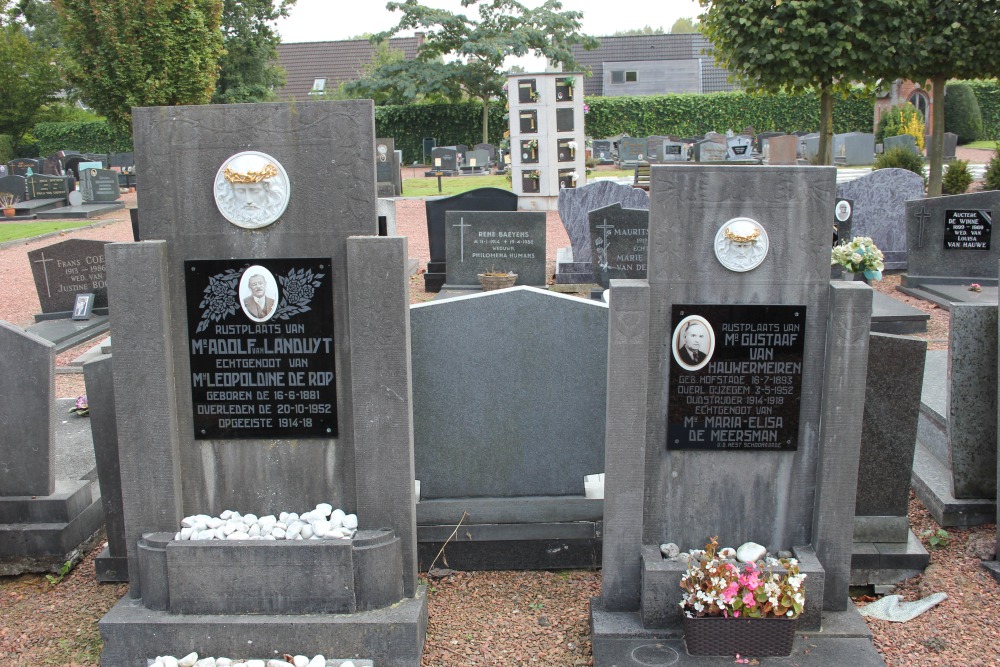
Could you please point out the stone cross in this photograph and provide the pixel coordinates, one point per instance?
(45, 270)
(922, 217)
(606, 228)
(461, 229)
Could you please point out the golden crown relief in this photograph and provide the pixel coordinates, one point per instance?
(268, 171)
(742, 238)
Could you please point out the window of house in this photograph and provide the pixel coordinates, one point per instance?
(919, 100)
(624, 76)
(319, 87)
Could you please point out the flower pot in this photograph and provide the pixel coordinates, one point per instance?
(490, 283)
(9, 212)
(758, 637)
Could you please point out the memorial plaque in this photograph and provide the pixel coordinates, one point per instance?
(480, 241)
(41, 186)
(383, 159)
(967, 230)
(99, 185)
(261, 348)
(15, 185)
(619, 243)
(735, 377)
(64, 270)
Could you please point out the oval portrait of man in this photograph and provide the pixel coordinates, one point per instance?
(251, 189)
(258, 293)
(693, 343)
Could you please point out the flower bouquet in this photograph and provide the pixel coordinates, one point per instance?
(732, 608)
(860, 255)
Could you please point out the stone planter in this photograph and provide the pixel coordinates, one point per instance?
(758, 637)
(494, 282)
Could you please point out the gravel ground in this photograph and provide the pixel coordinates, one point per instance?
(494, 618)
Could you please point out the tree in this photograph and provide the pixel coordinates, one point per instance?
(29, 79)
(684, 26)
(951, 38)
(123, 54)
(645, 30)
(391, 79)
(799, 45)
(248, 71)
(41, 23)
(480, 45)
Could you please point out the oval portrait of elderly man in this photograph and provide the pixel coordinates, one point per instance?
(741, 244)
(693, 342)
(258, 293)
(251, 189)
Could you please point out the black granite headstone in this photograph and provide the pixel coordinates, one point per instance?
(99, 185)
(481, 199)
(384, 159)
(489, 149)
(21, 165)
(64, 270)
(444, 159)
(15, 185)
(601, 151)
(43, 186)
(619, 239)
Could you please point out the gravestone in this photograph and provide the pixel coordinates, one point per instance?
(480, 199)
(885, 549)
(24, 166)
(42, 186)
(880, 210)
(620, 240)
(761, 141)
(602, 151)
(530, 426)
(950, 145)
(630, 151)
(809, 147)
(63, 270)
(491, 151)
(227, 398)
(854, 148)
(672, 151)
(384, 167)
(709, 150)
(654, 147)
(843, 220)
(49, 502)
(575, 206)
(906, 141)
(950, 242)
(477, 159)
(479, 241)
(99, 185)
(444, 158)
(15, 185)
(783, 150)
(3, 170)
(739, 148)
(676, 473)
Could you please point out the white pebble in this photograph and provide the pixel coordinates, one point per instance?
(306, 532)
(351, 521)
(187, 522)
(239, 536)
(317, 661)
(324, 508)
(283, 517)
(186, 533)
(249, 519)
(347, 663)
(188, 661)
(214, 522)
(206, 662)
(269, 520)
(265, 530)
(300, 661)
(223, 662)
(228, 529)
(294, 530)
(226, 514)
(320, 528)
(254, 531)
(750, 552)
(337, 516)
(278, 663)
(169, 661)
(271, 538)
(292, 516)
(256, 663)
(278, 533)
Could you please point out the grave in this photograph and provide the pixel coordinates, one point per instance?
(573, 266)
(50, 504)
(124, 164)
(654, 148)
(739, 148)
(99, 193)
(15, 185)
(509, 241)
(631, 151)
(619, 243)
(25, 166)
(260, 364)
(444, 159)
(491, 151)
(955, 462)
(480, 199)
(906, 141)
(602, 151)
(387, 178)
(809, 147)
(783, 150)
(854, 148)
(709, 150)
(950, 246)
(508, 419)
(761, 141)
(885, 549)
(63, 270)
(673, 151)
(476, 162)
(880, 210)
(681, 475)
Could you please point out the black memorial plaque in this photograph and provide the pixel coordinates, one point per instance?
(743, 389)
(967, 230)
(258, 374)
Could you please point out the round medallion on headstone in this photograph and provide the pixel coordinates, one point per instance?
(251, 189)
(741, 244)
(843, 210)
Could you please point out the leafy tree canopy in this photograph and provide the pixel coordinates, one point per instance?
(479, 45)
(645, 30)
(684, 26)
(247, 70)
(122, 53)
(29, 79)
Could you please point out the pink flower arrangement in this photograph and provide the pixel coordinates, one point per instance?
(975, 287)
(714, 586)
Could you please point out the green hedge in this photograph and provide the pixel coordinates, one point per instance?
(690, 114)
(988, 96)
(450, 124)
(97, 137)
(7, 148)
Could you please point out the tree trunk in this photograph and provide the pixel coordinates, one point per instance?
(935, 152)
(486, 120)
(825, 155)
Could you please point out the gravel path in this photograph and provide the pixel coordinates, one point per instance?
(498, 619)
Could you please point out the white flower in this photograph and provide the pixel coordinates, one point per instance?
(571, 145)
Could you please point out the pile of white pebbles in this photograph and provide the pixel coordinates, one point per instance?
(191, 660)
(323, 522)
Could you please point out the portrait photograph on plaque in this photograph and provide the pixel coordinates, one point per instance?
(261, 348)
(83, 306)
(735, 377)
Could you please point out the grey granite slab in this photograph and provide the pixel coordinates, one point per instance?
(83, 211)
(880, 212)
(938, 252)
(575, 205)
(479, 242)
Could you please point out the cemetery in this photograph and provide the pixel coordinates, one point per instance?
(272, 405)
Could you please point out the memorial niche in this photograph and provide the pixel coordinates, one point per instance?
(261, 373)
(735, 377)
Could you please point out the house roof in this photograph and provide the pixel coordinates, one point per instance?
(651, 47)
(339, 61)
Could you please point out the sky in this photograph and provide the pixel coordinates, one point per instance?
(323, 20)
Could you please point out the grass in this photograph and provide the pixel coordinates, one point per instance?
(988, 145)
(427, 186)
(12, 231)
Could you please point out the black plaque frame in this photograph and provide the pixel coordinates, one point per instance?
(746, 393)
(272, 376)
(967, 229)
